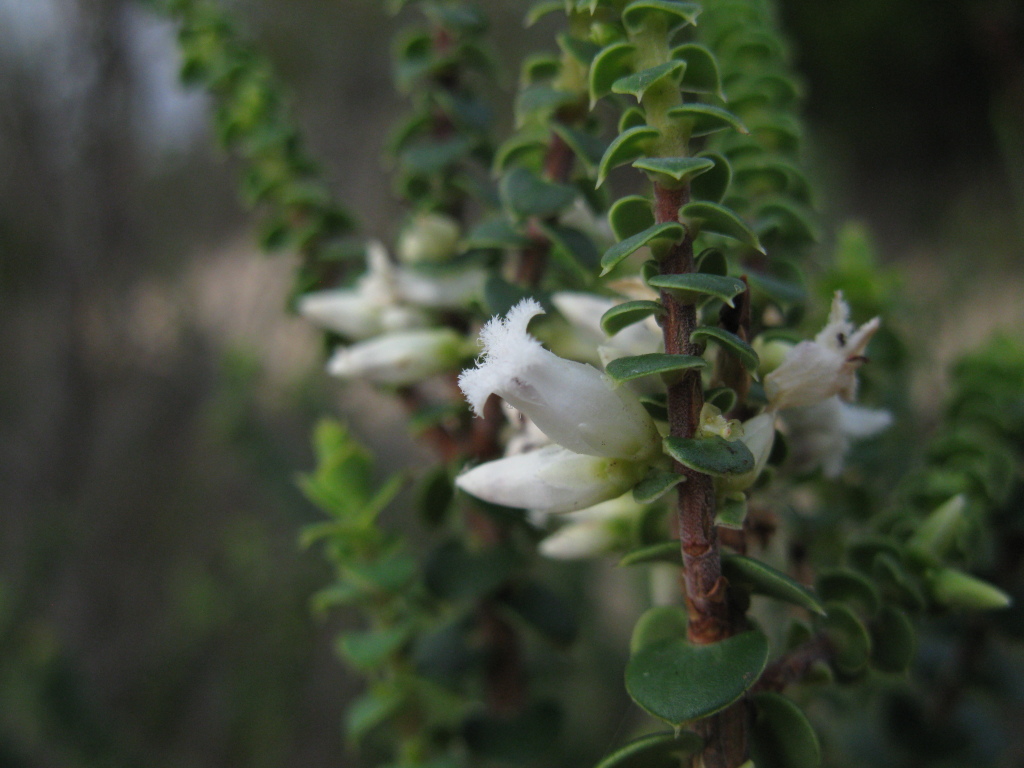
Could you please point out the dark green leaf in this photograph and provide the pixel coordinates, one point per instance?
(657, 235)
(369, 650)
(495, 233)
(582, 50)
(762, 579)
(626, 369)
(623, 315)
(712, 217)
(694, 287)
(787, 222)
(849, 638)
(730, 342)
(431, 158)
(633, 117)
(656, 484)
(434, 496)
(525, 148)
(672, 171)
(539, 10)
(658, 624)
(701, 75)
(588, 148)
(704, 119)
(525, 194)
(663, 552)
(500, 295)
(712, 261)
(391, 573)
(848, 586)
(781, 736)
(576, 248)
(731, 512)
(537, 67)
(655, 750)
(896, 583)
(638, 83)
(893, 642)
(537, 101)
(625, 148)
(679, 682)
(371, 710)
(723, 398)
(711, 455)
(677, 13)
(630, 216)
(608, 66)
(713, 185)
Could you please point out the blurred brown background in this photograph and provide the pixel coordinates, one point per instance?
(155, 401)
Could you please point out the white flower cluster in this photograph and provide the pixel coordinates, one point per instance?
(386, 315)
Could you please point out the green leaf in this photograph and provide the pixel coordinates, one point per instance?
(525, 194)
(694, 287)
(538, 101)
(625, 148)
(762, 579)
(655, 406)
(956, 589)
(588, 148)
(701, 75)
(524, 148)
(633, 117)
(538, 67)
(673, 171)
(785, 289)
(526, 736)
(495, 233)
(638, 83)
(656, 484)
(539, 10)
(455, 573)
(896, 583)
(390, 574)
(893, 642)
(705, 119)
(781, 736)
(655, 750)
(371, 710)
(849, 638)
(730, 342)
(786, 221)
(731, 512)
(623, 315)
(711, 455)
(575, 248)
(500, 295)
(543, 609)
(610, 65)
(582, 50)
(712, 217)
(677, 13)
(658, 624)
(713, 185)
(434, 495)
(625, 369)
(369, 650)
(630, 216)
(712, 261)
(847, 586)
(662, 552)
(431, 158)
(659, 234)
(679, 682)
(723, 398)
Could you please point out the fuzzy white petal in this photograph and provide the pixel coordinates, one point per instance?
(572, 403)
(550, 479)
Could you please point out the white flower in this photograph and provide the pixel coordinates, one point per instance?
(821, 434)
(401, 358)
(448, 290)
(369, 308)
(429, 237)
(816, 370)
(584, 312)
(758, 435)
(591, 531)
(550, 479)
(572, 403)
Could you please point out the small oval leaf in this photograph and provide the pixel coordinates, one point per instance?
(678, 682)
(702, 74)
(525, 194)
(694, 287)
(893, 641)
(638, 83)
(662, 552)
(626, 314)
(656, 484)
(611, 64)
(705, 119)
(672, 171)
(847, 586)
(762, 579)
(730, 342)
(849, 639)
(630, 215)
(712, 217)
(711, 455)
(625, 148)
(670, 231)
(676, 12)
(638, 366)
(713, 185)
(781, 736)
(658, 624)
(655, 750)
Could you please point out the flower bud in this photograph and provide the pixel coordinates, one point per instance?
(957, 589)
(550, 479)
(401, 358)
(428, 238)
(573, 404)
(937, 534)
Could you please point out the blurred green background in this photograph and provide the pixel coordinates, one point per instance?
(155, 401)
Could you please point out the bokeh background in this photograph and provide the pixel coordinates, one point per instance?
(155, 400)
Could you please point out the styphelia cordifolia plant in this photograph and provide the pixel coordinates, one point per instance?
(629, 375)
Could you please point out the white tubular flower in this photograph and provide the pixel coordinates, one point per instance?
(573, 404)
(368, 309)
(550, 479)
(400, 358)
(429, 237)
(816, 370)
(584, 312)
(591, 531)
(820, 434)
(441, 291)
